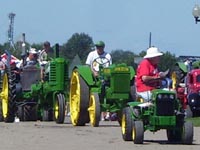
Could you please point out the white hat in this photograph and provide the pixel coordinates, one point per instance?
(153, 52)
(33, 51)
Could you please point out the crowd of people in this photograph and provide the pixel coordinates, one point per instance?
(32, 58)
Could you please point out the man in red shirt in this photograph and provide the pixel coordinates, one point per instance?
(147, 76)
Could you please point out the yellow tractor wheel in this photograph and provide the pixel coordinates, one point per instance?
(79, 100)
(94, 110)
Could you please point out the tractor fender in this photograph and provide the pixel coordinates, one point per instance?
(182, 66)
(132, 72)
(86, 73)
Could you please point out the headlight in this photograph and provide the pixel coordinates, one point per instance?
(159, 96)
(171, 96)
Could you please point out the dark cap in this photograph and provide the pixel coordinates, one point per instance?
(100, 44)
(47, 43)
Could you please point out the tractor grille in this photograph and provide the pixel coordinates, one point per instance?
(58, 75)
(29, 76)
(120, 83)
(53, 72)
(164, 105)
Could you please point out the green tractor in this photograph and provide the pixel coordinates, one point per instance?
(164, 111)
(31, 99)
(109, 91)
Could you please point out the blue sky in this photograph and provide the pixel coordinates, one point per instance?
(121, 24)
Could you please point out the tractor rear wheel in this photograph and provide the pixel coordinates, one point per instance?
(20, 113)
(59, 108)
(126, 124)
(47, 114)
(138, 132)
(8, 95)
(27, 112)
(94, 110)
(1, 113)
(79, 100)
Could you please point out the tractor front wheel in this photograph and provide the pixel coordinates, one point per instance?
(183, 134)
(59, 108)
(138, 132)
(126, 124)
(187, 133)
(94, 110)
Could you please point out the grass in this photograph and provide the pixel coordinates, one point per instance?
(195, 121)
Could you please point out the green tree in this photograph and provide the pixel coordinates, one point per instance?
(79, 43)
(120, 56)
(37, 46)
(142, 53)
(167, 61)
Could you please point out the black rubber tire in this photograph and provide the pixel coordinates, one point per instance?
(45, 116)
(34, 113)
(1, 113)
(27, 113)
(60, 100)
(20, 113)
(126, 124)
(138, 130)
(187, 133)
(84, 114)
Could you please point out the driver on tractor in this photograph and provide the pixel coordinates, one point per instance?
(148, 77)
(97, 54)
(94, 59)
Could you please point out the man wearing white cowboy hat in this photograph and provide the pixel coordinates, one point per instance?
(147, 75)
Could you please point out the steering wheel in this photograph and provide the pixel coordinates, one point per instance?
(100, 62)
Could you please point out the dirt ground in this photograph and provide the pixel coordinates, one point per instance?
(51, 136)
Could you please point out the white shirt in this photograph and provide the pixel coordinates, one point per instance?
(94, 55)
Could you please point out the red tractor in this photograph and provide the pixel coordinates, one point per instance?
(187, 85)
